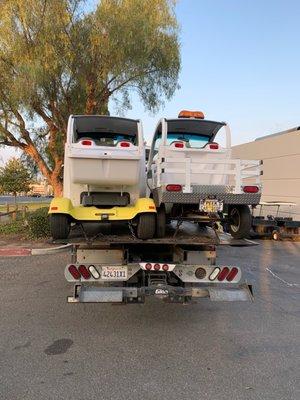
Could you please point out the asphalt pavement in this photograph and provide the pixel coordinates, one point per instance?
(53, 350)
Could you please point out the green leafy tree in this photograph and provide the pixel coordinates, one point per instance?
(57, 60)
(14, 177)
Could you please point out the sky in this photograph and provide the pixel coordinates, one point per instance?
(240, 64)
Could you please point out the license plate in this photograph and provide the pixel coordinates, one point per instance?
(211, 205)
(114, 273)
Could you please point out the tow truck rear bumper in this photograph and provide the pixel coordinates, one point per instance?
(172, 294)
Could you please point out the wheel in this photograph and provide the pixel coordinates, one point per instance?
(146, 226)
(239, 221)
(275, 235)
(161, 222)
(59, 226)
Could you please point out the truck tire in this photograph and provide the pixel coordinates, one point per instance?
(59, 226)
(239, 221)
(161, 221)
(146, 226)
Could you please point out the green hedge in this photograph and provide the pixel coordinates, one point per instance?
(38, 223)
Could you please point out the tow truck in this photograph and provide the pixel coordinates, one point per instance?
(180, 268)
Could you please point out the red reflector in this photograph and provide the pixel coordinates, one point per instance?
(179, 145)
(232, 274)
(213, 146)
(156, 267)
(148, 266)
(165, 267)
(74, 272)
(250, 189)
(174, 188)
(85, 273)
(222, 275)
(124, 144)
(54, 208)
(86, 142)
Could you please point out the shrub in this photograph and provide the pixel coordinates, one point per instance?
(38, 223)
(13, 227)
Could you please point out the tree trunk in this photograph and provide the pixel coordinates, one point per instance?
(57, 186)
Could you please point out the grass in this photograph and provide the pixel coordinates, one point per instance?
(13, 227)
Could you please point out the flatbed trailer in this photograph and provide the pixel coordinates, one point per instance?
(179, 268)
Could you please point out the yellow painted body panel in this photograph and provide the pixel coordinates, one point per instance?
(62, 205)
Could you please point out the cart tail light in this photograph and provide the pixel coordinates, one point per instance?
(174, 188)
(213, 146)
(179, 145)
(86, 142)
(250, 189)
(124, 144)
(232, 274)
(222, 275)
(74, 272)
(85, 273)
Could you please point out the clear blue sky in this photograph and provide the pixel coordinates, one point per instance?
(240, 64)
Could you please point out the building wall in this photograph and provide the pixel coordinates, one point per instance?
(281, 165)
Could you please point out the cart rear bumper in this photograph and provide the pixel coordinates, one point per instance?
(131, 295)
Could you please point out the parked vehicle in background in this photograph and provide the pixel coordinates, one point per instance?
(192, 177)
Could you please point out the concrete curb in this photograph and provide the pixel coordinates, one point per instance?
(51, 250)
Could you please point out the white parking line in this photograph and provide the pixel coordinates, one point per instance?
(282, 280)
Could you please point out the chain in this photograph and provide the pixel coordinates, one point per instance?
(131, 230)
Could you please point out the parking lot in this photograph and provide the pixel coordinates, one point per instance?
(53, 350)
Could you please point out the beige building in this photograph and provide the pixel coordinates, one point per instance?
(280, 153)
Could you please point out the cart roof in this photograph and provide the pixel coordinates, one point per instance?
(100, 123)
(192, 125)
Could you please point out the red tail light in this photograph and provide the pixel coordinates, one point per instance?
(174, 188)
(213, 146)
(86, 142)
(165, 267)
(124, 144)
(222, 275)
(179, 145)
(74, 272)
(250, 189)
(156, 267)
(85, 273)
(232, 274)
(148, 266)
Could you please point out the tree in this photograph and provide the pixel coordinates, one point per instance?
(56, 60)
(14, 177)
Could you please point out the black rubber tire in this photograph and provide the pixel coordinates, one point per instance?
(59, 226)
(146, 226)
(161, 221)
(240, 221)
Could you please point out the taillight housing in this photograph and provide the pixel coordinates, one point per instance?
(85, 273)
(74, 272)
(222, 275)
(156, 267)
(232, 274)
(250, 189)
(124, 144)
(174, 188)
(165, 267)
(179, 145)
(148, 266)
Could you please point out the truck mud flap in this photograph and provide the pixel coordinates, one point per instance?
(242, 293)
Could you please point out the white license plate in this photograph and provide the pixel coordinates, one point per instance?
(114, 273)
(211, 205)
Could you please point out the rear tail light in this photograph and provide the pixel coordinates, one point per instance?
(156, 267)
(222, 275)
(148, 266)
(124, 144)
(213, 146)
(214, 274)
(165, 267)
(179, 145)
(200, 273)
(85, 273)
(86, 142)
(74, 272)
(250, 189)
(174, 188)
(94, 272)
(232, 274)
